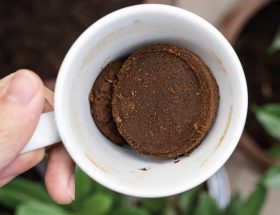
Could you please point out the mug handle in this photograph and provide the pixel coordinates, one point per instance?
(45, 134)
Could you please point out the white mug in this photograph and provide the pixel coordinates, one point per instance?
(120, 168)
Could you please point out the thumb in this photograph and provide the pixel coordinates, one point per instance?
(21, 103)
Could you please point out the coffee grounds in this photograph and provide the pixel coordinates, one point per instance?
(164, 101)
(100, 102)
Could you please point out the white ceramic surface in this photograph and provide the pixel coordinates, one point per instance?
(114, 36)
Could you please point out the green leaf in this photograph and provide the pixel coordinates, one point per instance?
(206, 206)
(154, 205)
(272, 177)
(274, 151)
(21, 190)
(234, 205)
(275, 45)
(35, 207)
(169, 210)
(130, 211)
(97, 204)
(84, 184)
(121, 200)
(269, 118)
(255, 201)
(187, 199)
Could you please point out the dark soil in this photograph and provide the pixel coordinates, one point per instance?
(37, 34)
(262, 69)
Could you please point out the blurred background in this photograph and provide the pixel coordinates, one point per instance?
(37, 34)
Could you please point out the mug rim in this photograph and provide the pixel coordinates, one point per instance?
(119, 14)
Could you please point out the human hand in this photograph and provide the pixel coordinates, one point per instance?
(22, 98)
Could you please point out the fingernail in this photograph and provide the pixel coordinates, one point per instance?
(22, 87)
(71, 187)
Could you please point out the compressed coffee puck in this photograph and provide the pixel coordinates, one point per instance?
(100, 102)
(164, 101)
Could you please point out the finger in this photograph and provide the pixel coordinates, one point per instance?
(49, 102)
(22, 163)
(49, 95)
(21, 103)
(50, 83)
(59, 179)
(4, 81)
(6, 180)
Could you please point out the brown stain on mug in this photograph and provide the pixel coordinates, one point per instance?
(221, 139)
(96, 164)
(218, 62)
(108, 39)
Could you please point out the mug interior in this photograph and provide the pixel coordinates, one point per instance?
(115, 36)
